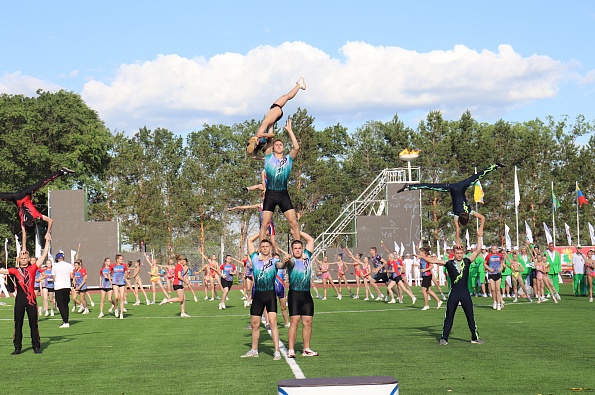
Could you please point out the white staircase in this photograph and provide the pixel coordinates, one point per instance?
(344, 225)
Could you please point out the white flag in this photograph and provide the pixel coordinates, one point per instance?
(16, 239)
(6, 251)
(403, 249)
(508, 240)
(592, 234)
(444, 245)
(397, 248)
(528, 232)
(517, 194)
(548, 235)
(568, 233)
(37, 245)
(467, 238)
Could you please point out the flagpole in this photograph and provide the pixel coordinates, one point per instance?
(516, 206)
(578, 234)
(553, 216)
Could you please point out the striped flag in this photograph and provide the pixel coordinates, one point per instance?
(548, 235)
(581, 199)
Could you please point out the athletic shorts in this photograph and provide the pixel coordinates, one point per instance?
(426, 281)
(119, 285)
(300, 303)
(226, 283)
(36, 288)
(279, 289)
(250, 278)
(262, 299)
(381, 278)
(272, 199)
(176, 287)
(82, 290)
(106, 289)
(494, 276)
(280, 108)
(395, 279)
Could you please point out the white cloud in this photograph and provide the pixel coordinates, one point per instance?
(18, 84)
(364, 82)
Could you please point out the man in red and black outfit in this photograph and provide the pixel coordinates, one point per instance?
(26, 300)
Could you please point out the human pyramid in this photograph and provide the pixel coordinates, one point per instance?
(268, 271)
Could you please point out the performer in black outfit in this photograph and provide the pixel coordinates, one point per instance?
(26, 299)
(458, 272)
(460, 206)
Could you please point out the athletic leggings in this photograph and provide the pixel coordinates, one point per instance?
(454, 298)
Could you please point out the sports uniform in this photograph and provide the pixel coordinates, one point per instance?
(299, 298)
(458, 271)
(264, 285)
(277, 174)
(25, 301)
(227, 280)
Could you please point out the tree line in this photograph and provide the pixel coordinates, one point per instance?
(172, 192)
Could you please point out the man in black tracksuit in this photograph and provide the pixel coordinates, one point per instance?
(458, 272)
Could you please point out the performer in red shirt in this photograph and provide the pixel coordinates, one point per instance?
(26, 299)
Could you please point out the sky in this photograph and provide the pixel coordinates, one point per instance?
(182, 64)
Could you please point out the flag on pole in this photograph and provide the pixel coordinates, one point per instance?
(517, 194)
(72, 256)
(508, 240)
(568, 233)
(403, 249)
(548, 235)
(444, 245)
(6, 252)
(397, 248)
(555, 202)
(478, 193)
(37, 245)
(592, 234)
(528, 232)
(580, 197)
(467, 238)
(16, 239)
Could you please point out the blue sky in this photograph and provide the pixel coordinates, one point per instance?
(181, 64)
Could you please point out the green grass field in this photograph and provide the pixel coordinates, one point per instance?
(530, 349)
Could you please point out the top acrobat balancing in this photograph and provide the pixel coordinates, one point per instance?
(460, 206)
(28, 214)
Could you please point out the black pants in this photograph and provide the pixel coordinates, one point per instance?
(62, 299)
(451, 307)
(20, 306)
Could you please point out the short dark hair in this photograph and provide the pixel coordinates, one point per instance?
(264, 241)
(296, 241)
(464, 218)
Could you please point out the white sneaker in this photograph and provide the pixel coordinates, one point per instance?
(206, 298)
(499, 307)
(339, 296)
(137, 303)
(309, 353)
(116, 313)
(52, 313)
(591, 300)
(413, 300)
(65, 325)
(276, 356)
(195, 299)
(184, 315)
(164, 301)
(92, 304)
(47, 313)
(124, 310)
(111, 310)
(439, 304)
(485, 295)
(287, 325)
(356, 297)
(217, 297)
(250, 354)
(514, 300)
(495, 305)
(529, 299)
(386, 298)
(558, 296)
(148, 302)
(366, 299)
(39, 310)
(86, 311)
(81, 308)
(290, 354)
(301, 83)
(426, 308)
(392, 301)
(101, 315)
(223, 306)
(324, 298)
(121, 316)
(220, 308)
(73, 309)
